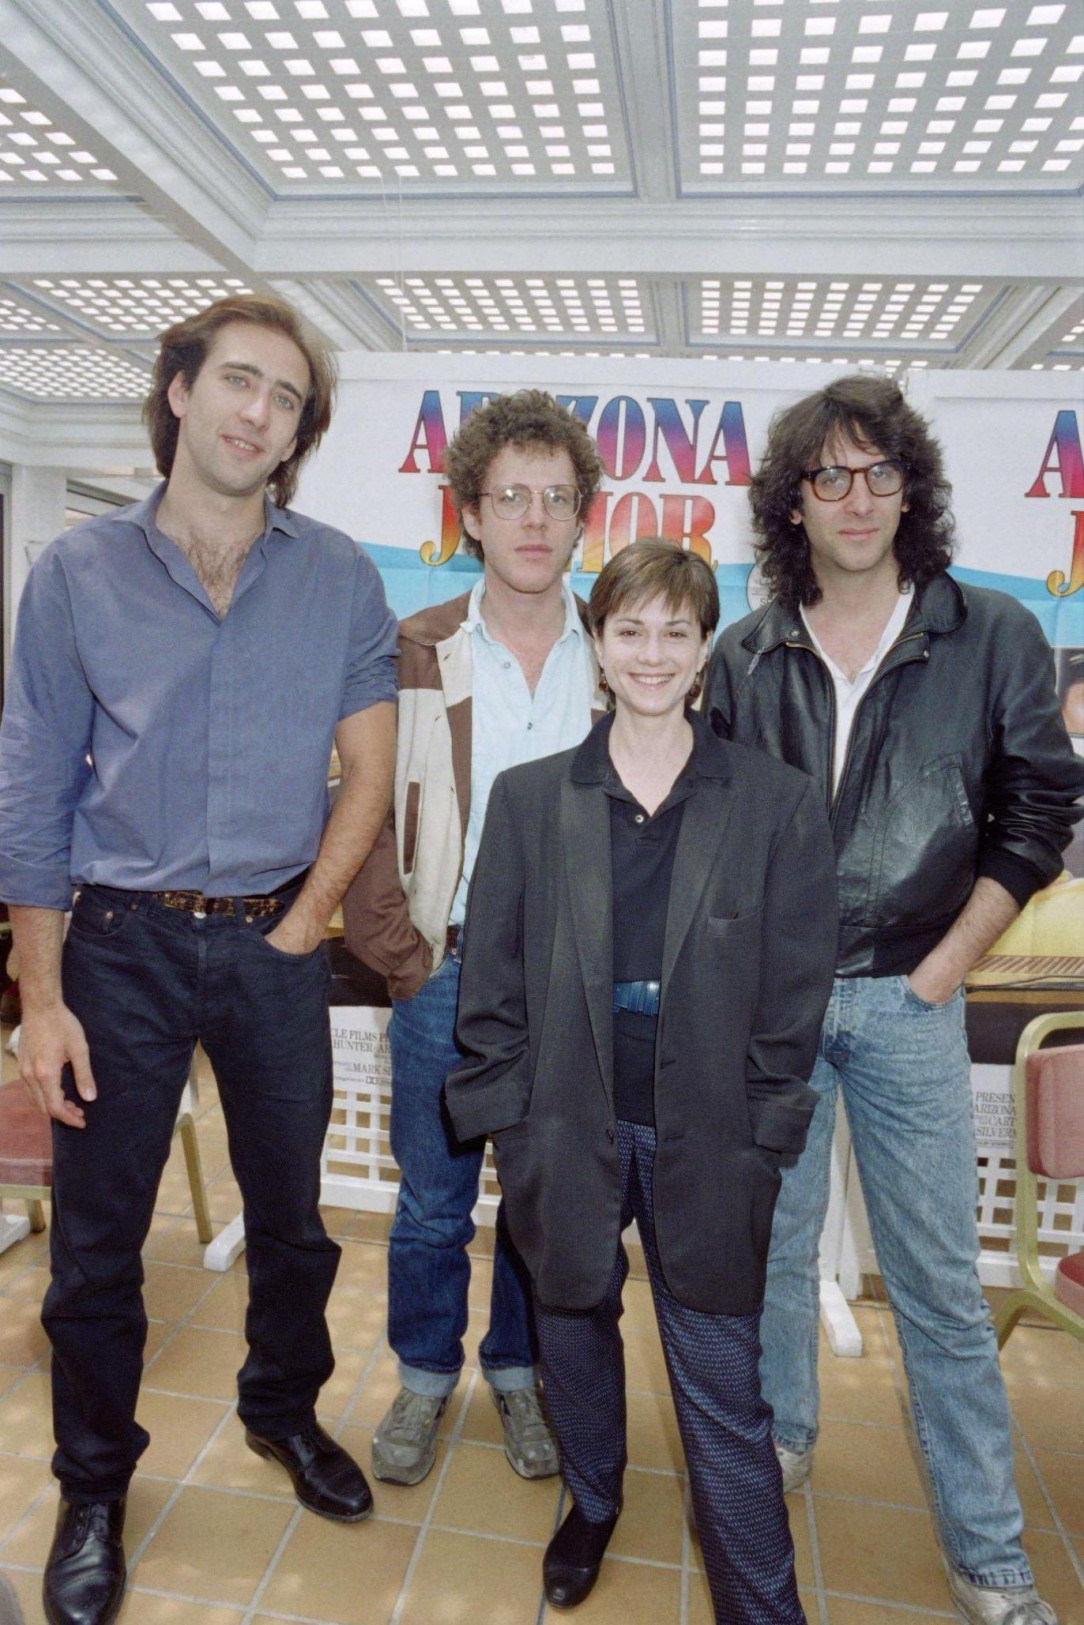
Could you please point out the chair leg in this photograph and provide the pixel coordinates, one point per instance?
(187, 1130)
(1008, 1315)
(37, 1217)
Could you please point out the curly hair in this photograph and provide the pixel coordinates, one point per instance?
(529, 418)
(184, 347)
(872, 412)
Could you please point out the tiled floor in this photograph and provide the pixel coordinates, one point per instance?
(214, 1537)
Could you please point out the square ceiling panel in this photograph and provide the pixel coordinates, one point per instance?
(562, 309)
(21, 321)
(34, 151)
(131, 307)
(70, 373)
(425, 94)
(928, 319)
(879, 94)
(1062, 349)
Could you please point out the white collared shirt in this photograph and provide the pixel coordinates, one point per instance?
(848, 693)
(509, 725)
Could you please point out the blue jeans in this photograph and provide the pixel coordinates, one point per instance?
(428, 1264)
(905, 1074)
(146, 982)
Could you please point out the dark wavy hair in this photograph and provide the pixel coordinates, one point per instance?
(872, 412)
(184, 348)
(528, 418)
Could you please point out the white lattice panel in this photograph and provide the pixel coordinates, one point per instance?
(70, 373)
(1061, 1219)
(357, 1168)
(131, 306)
(609, 309)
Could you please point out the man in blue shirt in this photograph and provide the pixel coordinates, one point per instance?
(181, 670)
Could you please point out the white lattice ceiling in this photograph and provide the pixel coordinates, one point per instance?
(876, 182)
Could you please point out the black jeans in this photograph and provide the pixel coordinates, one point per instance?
(146, 982)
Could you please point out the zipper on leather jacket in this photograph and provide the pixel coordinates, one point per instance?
(881, 671)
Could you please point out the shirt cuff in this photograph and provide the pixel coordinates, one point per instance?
(1020, 878)
(29, 885)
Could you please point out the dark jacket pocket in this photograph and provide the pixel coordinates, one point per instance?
(922, 858)
(410, 824)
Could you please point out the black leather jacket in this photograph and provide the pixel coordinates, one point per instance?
(958, 764)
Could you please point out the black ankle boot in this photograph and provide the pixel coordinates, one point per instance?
(574, 1557)
(85, 1574)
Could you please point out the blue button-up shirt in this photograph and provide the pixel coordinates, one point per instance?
(146, 743)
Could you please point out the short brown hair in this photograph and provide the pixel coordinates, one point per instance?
(530, 417)
(183, 348)
(655, 568)
(871, 411)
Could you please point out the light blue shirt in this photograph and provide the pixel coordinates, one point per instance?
(148, 743)
(509, 725)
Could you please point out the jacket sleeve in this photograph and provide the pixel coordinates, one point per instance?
(377, 921)
(1034, 781)
(491, 1088)
(798, 958)
(717, 698)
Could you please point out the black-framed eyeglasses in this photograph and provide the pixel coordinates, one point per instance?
(513, 501)
(832, 484)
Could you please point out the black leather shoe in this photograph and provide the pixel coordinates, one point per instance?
(574, 1557)
(85, 1574)
(326, 1479)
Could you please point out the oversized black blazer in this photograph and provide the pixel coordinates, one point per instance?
(747, 969)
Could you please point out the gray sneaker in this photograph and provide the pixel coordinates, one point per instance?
(995, 1605)
(796, 1464)
(528, 1443)
(405, 1442)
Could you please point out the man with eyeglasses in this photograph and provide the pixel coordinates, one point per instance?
(927, 713)
(499, 676)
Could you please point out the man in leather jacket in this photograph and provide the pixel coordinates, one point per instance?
(927, 712)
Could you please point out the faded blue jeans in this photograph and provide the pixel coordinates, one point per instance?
(904, 1071)
(428, 1263)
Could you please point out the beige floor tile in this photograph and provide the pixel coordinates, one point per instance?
(28, 1285)
(339, 1390)
(230, 1465)
(10, 1374)
(33, 1250)
(199, 1361)
(170, 1291)
(639, 1313)
(701, 1613)
(223, 1307)
(31, 1541)
(179, 1429)
(879, 1552)
(482, 1245)
(864, 1460)
(22, 1480)
(1037, 1513)
(381, 1387)
(477, 1326)
(141, 1609)
(482, 1420)
(481, 1283)
(1037, 1353)
(653, 1433)
(223, 1199)
(465, 1580)
(357, 1319)
(645, 1363)
(1051, 1415)
(22, 1336)
(878, 1328)
(370, 1226)
(481, 1493)
(363, 1265)
(346, 1574)
(860, 1390)
(174, 1241)
(26, 1417)
(27, 1588)
(158, 1331)
(1063, 1476)
(213, 1546)
(845, 1611)
(652, 1522)
(338, 1221)
(1055, 1578)
(627, 1593)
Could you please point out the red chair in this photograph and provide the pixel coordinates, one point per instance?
(1048, 1086)
(26, 1160)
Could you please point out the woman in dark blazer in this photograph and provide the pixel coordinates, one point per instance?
(649, 950)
